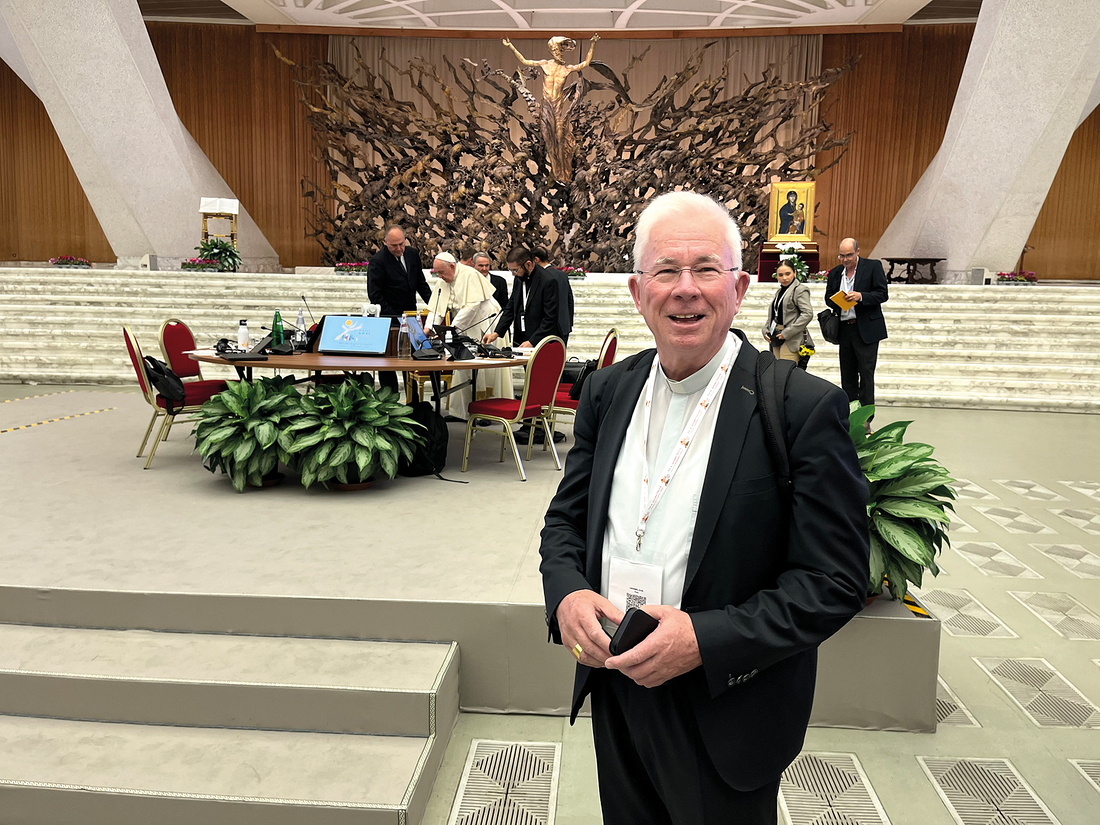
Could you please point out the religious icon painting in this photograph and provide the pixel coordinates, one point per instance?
(791, 217)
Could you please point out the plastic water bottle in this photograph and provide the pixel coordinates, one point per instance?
(242, 334)
(301, 324)
(404, 345)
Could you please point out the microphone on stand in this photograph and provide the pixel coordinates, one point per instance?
(310, 311)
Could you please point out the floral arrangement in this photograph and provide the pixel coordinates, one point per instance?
(574, 272)
(1016, 278)
(788, 253)
(822, 275)
(200, 264)
(70, 260)
(353, 266)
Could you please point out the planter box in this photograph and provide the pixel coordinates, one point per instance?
(879, 672)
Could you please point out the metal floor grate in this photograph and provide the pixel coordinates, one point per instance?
(1074, 558)
(963, 615)
(993, 560)
(1061, 613)
(829, 789)
(508, 783)
(1013, 520)
(1089, 769)
(1040, 691)
(985, 792)
(949, 708)
(1087, 520)
(968, 489)
(1032, 490)
(1085, 488)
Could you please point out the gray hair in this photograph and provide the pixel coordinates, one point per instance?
(484, 255)
(665, 206)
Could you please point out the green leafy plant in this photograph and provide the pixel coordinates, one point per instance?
(909, 493)
(223, 252)
(347, 432)
(240, 430)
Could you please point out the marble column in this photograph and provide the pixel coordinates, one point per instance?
(92, 65)
(1030, 78)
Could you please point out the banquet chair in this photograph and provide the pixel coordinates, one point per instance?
(175, 341)
(534, 404)
(195, 394)
(563, 404)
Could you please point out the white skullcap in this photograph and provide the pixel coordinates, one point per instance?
(446, 257)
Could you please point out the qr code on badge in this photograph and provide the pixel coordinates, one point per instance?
(634, 598)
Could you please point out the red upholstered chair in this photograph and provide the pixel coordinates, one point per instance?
(196, 393)
(534, 404)
(176, 340)
(563, 404)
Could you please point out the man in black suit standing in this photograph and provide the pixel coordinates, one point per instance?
(565, 289)
(862, 326)
(533, 311)
(669, 500)
(484, 264)
(395, 276)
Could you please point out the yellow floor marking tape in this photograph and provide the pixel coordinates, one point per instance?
(43, 395)
(52, 420)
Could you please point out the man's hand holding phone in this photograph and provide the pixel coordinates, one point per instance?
(578, 616)
(670, 650)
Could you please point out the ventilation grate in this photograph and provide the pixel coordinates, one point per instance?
(1041, 692)
(1061, 613)
(993, 560)
(963, 615)
(968, 489)
(1090, 770)
(829, 789)
(1085, 488)
(949, 708)
(1013, 520)
(508, 783)
(985, 792)
(1032, 490)
(1074, 558)
(1087, 520)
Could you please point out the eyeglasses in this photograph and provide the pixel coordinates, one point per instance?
(842, 256)
(670, 274)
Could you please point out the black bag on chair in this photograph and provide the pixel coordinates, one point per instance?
(165, 382)
(830, 326)
(578, 383)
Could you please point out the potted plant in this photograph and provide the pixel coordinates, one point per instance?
(199, 265)
(909, 493)
(347, 432)
(240, 430)
(353, 266)
(222, 252)
(70, 262)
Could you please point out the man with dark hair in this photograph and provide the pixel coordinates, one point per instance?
(862, 326)
(565, 307)
(395, 276)
(670, 502)
(533, 312)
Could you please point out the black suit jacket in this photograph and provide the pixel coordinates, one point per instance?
(391, 286)
(763, 589)
(541, 314)
(500, 290)
(871, 281)
(565, 302)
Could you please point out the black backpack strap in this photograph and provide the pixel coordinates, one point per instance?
(771, 389)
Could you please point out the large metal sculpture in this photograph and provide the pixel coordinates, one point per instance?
(488, 165)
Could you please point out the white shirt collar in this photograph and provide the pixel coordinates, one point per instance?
(698, 380)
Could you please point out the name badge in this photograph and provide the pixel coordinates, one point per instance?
(633, 583)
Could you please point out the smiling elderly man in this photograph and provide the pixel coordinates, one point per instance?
(669, 500)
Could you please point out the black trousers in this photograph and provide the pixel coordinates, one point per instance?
(653, 766)
(857, 365)
(388, 379)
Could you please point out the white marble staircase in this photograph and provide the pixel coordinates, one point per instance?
(1027, 348)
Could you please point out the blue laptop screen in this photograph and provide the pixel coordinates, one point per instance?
(354, 335)
(416, 334)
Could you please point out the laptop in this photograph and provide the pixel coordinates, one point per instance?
(353, 335)
(417, 335)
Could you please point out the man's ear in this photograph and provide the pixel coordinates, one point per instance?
(529, 266)
(635, 288)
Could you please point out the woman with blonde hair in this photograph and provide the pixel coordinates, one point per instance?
(789, 316)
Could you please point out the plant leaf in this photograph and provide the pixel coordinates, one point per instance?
(244, 450)
(913, 508)
(341, 455)
(877, 564)
(903, 538)
(915, 483)
(305, 441)
(265, 435)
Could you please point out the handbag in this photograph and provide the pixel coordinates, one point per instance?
(830, 326)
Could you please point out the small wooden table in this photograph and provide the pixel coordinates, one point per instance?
(316, 363)
(912, 275)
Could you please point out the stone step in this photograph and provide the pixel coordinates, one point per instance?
(225, 680)
(61, 772)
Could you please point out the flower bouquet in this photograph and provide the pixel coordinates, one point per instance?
(1016, 278)
(200, 265)
(70, 262)
(788, 253)
(574, 272)
(353, 266)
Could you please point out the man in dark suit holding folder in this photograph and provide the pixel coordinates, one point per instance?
(670, 501)
(861, 323)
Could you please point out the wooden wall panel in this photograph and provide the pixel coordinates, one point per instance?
(897, 102)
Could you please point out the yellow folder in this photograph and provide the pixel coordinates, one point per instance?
(841, 301)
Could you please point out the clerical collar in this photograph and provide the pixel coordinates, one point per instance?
(698, 380)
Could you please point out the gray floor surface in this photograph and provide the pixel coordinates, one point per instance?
(1029, 520)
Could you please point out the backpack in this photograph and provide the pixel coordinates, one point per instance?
(430, 457)
(166, 383)
(772, 376)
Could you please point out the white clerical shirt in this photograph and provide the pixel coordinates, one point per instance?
(671, 525)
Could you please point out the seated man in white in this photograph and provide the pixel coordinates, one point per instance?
(468, 296)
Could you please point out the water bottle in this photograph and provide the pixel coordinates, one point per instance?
(242, 334)
(404, 345)
(301, 324)
(278, 334)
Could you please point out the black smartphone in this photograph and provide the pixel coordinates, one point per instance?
(636, 625)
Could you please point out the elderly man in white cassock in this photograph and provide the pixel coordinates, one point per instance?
(468, 296)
